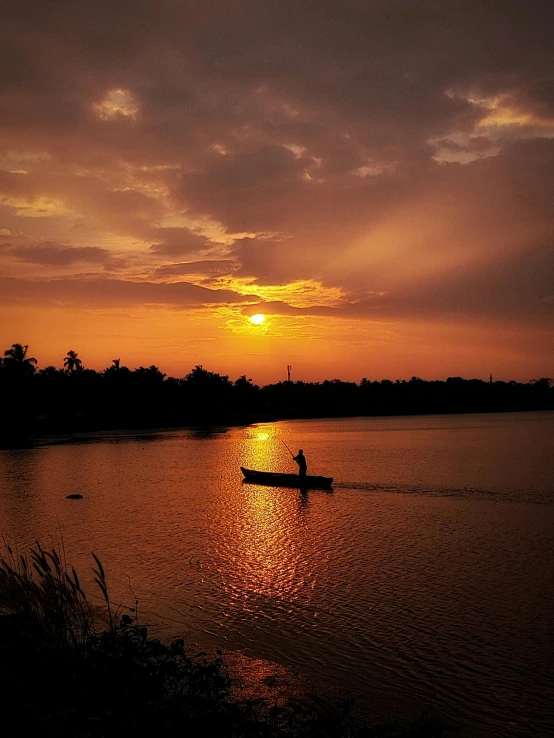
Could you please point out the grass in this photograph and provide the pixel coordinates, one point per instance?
(70, 669)
(45, 596)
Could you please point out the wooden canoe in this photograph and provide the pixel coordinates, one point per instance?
(275, 479)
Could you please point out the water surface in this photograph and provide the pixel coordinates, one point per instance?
(427, 572)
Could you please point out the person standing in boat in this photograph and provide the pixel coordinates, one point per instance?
(302, 464)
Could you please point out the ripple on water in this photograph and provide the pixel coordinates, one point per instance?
(430, 575)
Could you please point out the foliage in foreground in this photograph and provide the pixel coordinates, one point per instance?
(64, 673)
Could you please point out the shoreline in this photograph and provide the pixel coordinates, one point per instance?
(271, 688)
(212, 428)
(276, 685)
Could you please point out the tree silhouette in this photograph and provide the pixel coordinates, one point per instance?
(149, 375)
(245, 394)
(49, 371)
(545, 382)
(75, 398)
(117, 373)
(16, 360)
(72, 363)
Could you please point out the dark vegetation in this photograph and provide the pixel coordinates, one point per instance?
(68, 668)
(73, 399)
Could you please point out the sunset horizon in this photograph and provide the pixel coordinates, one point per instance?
(375, 181)
(276, 345)
(247, 366)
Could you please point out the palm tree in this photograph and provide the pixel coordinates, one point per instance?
(17, 360)
(72, 363)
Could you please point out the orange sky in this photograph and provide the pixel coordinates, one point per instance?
(375, 178)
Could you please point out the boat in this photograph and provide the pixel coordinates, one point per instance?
(276, 479)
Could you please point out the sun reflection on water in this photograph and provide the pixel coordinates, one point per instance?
(264, 450)
(268, 537)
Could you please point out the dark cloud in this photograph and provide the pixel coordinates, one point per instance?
(474, 144)
(376, 70)
(176, 241)
(52, 254)
(515, 289)
(206, 268)
(267, 260)
(109, 293)
(519, 289)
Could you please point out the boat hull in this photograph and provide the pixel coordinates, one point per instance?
(274, 479)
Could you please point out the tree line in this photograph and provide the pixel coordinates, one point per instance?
(74, 398)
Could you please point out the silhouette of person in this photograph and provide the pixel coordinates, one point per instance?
(302, 464)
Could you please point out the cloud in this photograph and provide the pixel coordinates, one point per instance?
(176, 241)
(58, 255)
(397, 155)
(208, 269)
(110, 293)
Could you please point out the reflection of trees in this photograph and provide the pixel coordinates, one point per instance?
(75, 398)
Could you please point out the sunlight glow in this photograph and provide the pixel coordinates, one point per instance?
(118, 103)
(502, 116)
(40, 206)
(257, 319)
(300, 293)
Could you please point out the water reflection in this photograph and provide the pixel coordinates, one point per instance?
(20, 482)
(303, 499)
(264, 549)
(262, 542)
(368, 586)
(261, 452)
(206, 433)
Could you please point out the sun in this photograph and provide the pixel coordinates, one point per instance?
(257, 319)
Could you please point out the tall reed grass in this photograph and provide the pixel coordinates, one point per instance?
(56, 649)
(44, 594)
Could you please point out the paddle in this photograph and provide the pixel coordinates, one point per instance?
(288, 449)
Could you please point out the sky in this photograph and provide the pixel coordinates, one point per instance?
(375, 177)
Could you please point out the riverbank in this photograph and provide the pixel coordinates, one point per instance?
(60, 436)
(263, 698)
(274, 686)
(206, 430)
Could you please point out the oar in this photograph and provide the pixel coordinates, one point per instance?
(288, 449)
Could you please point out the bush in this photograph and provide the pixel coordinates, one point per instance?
(65, 673)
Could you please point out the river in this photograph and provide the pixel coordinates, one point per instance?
(426, 573)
